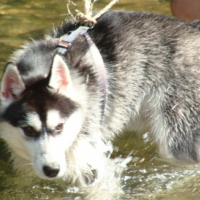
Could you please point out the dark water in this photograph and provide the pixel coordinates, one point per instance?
(147, 176)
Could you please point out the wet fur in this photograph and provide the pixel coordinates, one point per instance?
(152, 67)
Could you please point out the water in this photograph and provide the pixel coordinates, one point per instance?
(146, 177)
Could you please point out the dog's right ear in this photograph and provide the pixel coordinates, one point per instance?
(11, 85)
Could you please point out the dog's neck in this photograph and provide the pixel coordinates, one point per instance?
(67, 40)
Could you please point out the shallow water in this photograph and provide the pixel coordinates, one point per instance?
(147, 176)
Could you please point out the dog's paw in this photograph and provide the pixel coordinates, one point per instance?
(89, 178)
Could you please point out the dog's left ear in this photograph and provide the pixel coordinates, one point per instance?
(11, 85)
(60, 79)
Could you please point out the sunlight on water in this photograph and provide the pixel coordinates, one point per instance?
(145, 176)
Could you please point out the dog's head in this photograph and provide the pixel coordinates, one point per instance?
(40, 116)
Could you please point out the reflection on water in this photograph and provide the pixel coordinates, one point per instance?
(150, 177)
(146, 177)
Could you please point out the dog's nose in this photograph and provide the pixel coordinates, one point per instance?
(51, 170)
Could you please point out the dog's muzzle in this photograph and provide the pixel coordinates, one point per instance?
(51, 171)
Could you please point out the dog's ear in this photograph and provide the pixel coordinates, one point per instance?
(60, 79)
(11, 85)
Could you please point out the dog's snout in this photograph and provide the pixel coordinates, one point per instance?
(52, 170)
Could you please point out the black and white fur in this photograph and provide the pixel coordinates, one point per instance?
(51, 104)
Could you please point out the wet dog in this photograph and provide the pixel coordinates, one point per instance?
(64, 97)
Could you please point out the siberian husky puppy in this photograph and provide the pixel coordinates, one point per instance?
(64, 97)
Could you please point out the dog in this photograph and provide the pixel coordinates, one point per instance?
(65, 96)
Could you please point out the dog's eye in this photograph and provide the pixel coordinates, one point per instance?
(30, 131)
(59, 127)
